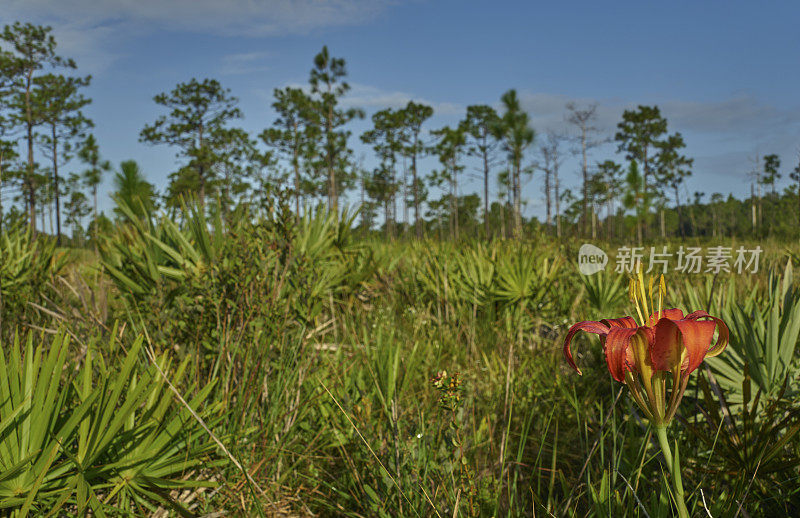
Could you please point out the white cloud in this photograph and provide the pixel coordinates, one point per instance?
(373, 98)
(90, 30)
(548, 112)
(740, 115)
(245, 63)
(226, 17)
(90, 46)
(365, 96)
(723, 135)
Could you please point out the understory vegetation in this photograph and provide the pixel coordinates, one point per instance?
(264, 364)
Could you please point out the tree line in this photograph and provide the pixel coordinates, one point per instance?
(306, 153)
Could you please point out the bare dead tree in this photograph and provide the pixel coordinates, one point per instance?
(583, 119)
(550, 151)
(755, 191)
(552, 158)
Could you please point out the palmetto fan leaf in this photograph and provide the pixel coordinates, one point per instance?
(26, 264)
(765, 338)
(149, 256)
(36, 420)
(115, 441)
(605, 292)
(524, 279)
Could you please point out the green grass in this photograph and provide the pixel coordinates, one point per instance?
(318, 362)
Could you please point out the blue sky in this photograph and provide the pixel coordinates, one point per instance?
(725, 73)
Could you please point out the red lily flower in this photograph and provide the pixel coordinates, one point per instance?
(642, 355)
(672, 339)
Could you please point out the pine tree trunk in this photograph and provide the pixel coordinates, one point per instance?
(363, 206)
(297, 193)
(517, 202)
(202, 194)
(56, 187)
(760, 207)
(486, 196)
(296, 165)
(585, 184)
(405, 199)
(29, 181)
(798, 199)
(503, 219)
(510, 203)
(394, 203)
(558, 202)
(732, 222)
(646, 176)
(1, 218)
(201, 171)
(678, 205)
(547, 196)
(387, 216)
(639, 230)
(332, 197)
(417, 228)
(95, 226)
(714, 223)
(455, 204)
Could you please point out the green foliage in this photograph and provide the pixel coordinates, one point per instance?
(134, 195)
(27, 265)
(197, 126)
(487, 278)
(26, 50)
(293, 137)
(749, 449)
(325, 359)
(605, 292)
(763, 337)
(149, 257)
(516, 135)
(328, 85)
(104, 441)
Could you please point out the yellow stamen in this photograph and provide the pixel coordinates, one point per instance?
(643, 300)
(638, 295)
(634, 296)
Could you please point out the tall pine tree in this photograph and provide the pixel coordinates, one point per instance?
(27, 50)
(58, 101)
(328, 86)
(198, 111)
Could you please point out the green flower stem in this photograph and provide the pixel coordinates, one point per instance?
(673, 465)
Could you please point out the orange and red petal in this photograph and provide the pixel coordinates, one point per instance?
(722, 338)
(696, 336)
(618, 353)
(694, 315)
(666, 348)
(589, 326)
(619, 322)
(724, 333)
(672, 314)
